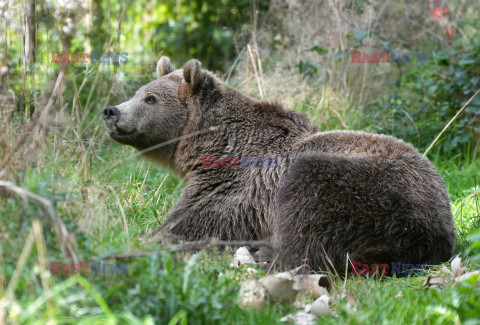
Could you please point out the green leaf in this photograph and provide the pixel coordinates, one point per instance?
(341, 55)
(319, 49)
(466, 61)
(192, 263)
(360, 34)
(463, 22)
(179, 317)
(474, 236)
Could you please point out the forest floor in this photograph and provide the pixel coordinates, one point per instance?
(109, 197)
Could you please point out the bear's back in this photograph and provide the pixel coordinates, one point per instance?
(354, 143)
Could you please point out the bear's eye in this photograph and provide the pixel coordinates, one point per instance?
(150, 100)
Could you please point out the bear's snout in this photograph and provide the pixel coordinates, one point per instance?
(111, 113)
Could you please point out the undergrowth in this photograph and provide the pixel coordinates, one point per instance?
(109, 198)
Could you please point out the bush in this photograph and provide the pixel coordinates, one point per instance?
(429, 95)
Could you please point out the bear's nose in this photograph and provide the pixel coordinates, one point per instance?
(110, 112)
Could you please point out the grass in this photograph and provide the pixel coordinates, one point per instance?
(462, 179)
(108, 198)
(120, 197)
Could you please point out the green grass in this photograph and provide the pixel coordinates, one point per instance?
(462, 179)
(119, 196)
(108, 197)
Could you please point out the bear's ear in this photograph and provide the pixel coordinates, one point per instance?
(193, 75)
(164, 67)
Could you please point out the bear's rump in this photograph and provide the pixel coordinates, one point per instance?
(373, 208)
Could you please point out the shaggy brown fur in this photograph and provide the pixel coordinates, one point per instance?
(371, 196)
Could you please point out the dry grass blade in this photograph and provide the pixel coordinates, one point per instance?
(120, 207)
(3, 315)
(255, 70)
(325, 257)
(2, 274)
(67, 244)
(22, 260)
(37, 119)
(42, 261)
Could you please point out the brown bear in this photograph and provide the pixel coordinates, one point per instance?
(328, 194)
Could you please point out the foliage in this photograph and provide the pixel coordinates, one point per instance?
(474, 248)
(201, 29)
(429, 95)
(109, 198)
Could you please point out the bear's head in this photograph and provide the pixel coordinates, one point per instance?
(154, 119)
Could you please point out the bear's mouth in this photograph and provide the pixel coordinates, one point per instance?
(117, 132)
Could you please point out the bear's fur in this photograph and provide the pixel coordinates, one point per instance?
(369, 195)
